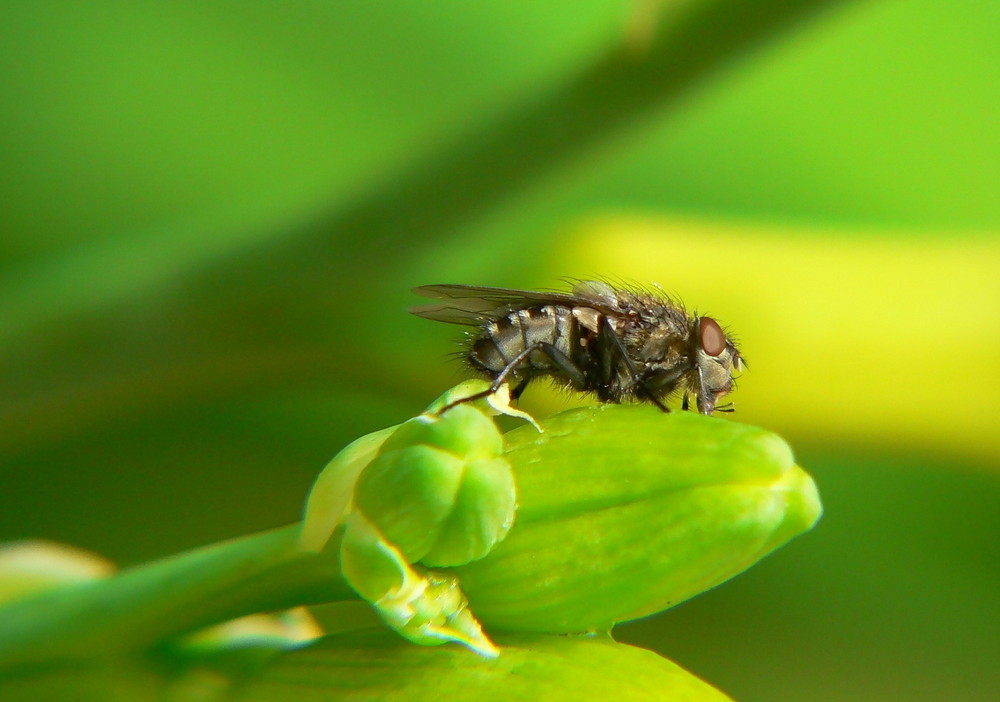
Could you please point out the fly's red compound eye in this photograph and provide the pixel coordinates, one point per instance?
(713, 339)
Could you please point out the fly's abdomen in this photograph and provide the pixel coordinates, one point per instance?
(503, 340)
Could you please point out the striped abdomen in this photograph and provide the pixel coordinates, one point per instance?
(502, 340)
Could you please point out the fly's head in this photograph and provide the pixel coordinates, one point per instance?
(715, 359)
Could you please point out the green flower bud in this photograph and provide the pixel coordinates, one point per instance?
(463, 430)
(408, 494)
(438, 489)
(625, 511)
(435, 491)
(481, 515)
(436, 508)
(426, 608)
(332, 493)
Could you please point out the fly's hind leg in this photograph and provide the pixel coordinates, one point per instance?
(565, 364)
(515, 394)
(499, 379)
(561, 360)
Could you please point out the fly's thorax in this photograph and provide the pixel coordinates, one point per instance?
(588, 318)
(664, 345)
(660, 348)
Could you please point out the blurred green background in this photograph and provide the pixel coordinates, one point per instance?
(212, 214)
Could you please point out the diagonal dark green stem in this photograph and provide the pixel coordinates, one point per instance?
(341, 251)
(618, 92)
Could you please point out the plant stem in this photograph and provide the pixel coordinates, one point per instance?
(455, 184)
(144, 605)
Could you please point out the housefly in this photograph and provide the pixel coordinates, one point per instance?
(616, 343)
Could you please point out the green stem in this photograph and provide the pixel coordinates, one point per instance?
(477, 173)
(621, 90)
(141, 606)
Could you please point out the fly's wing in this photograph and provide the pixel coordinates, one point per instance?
(473, 304)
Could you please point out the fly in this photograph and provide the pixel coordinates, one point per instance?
(616, 343)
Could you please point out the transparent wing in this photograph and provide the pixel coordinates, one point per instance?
(473, 304)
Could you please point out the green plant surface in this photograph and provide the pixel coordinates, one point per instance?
(625, 511)
(690, 502)
(533, 667)
(146, 605)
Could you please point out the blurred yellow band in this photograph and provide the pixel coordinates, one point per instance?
(871, 338)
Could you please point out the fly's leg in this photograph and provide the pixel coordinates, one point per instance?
(565, 364)
(684, 402)
(633, 372)
(515, 394)
(499, 380)
(561, 360)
